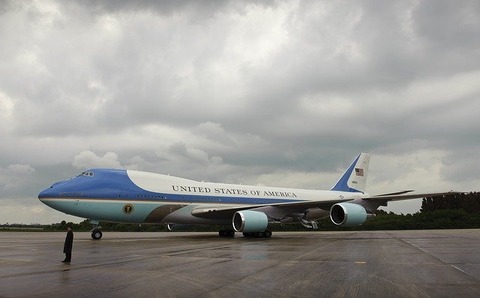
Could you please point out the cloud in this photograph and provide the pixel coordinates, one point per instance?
(14, 177)
(227, 91)
(88, 159)
(29, 211)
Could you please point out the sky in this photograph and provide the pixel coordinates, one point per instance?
(277, 93)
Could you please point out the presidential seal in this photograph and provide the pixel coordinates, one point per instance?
(128, 208)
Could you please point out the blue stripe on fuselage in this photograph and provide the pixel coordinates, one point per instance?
(342, 184)
(108, 184)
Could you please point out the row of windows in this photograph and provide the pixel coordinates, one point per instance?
(149, 197)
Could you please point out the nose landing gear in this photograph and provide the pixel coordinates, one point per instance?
(96, 232)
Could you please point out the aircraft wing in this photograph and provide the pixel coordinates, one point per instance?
(215, 212)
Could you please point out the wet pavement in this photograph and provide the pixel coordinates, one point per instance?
(436, 263)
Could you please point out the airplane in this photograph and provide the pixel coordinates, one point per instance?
(130, 196)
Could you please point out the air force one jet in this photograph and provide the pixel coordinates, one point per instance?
(139, 197)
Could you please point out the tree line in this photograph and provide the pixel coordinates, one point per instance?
(453, 211)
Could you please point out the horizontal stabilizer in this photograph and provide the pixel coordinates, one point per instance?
(399, 197)
(395, 193)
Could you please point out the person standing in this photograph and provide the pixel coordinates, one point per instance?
(67, 247)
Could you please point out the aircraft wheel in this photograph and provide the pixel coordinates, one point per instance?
(96, 234)
(268, 234)
(264, 234)
(226, 233)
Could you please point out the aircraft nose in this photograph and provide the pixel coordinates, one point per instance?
(52, 191)
(46, 193)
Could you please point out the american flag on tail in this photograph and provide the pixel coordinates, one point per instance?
(359, 172)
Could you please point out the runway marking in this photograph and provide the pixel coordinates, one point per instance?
(433, 255)
(464, 272)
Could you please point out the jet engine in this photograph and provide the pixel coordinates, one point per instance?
(348, 214)
(248, 221)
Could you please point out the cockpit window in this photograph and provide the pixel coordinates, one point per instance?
(87, 174)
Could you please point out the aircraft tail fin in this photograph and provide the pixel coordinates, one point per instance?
(355, 177)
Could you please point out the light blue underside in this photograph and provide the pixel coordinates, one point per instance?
(104, 210)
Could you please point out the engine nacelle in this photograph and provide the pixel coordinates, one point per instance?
(248, 221)
(348, 214)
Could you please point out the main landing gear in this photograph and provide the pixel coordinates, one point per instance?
(231, 234)
(264, 234)
(226, 233)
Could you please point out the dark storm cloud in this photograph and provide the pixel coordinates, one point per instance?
(161, 7)
(227, 91)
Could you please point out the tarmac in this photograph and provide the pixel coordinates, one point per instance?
(429, 263)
